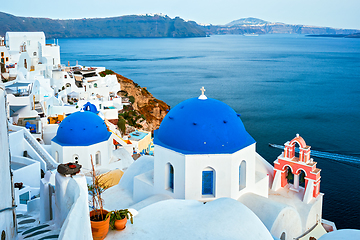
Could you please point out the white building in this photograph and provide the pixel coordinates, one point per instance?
(82, 134)
(79, 135)
(203, 153)
(7, 204)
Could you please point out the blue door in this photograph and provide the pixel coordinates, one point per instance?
(207, 183)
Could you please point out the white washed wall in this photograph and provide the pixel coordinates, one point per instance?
(6, 217)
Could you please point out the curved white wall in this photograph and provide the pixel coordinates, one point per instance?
(6, 216)
(72, 211)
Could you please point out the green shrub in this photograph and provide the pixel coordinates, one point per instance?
(106, 72)
(132, 99)
(121, 124)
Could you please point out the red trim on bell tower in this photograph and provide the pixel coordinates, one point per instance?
(298, 164)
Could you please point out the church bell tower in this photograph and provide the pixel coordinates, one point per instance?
(288, 163)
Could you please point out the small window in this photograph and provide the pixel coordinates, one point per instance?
(7, 59)
(242, 175)
(34, 54)
(76, 157)
(97, 158)
(2, 54)
(56, 156)
(169, 177)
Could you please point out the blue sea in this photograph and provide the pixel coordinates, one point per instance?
(280, 84)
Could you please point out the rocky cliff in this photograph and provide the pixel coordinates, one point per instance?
(130, 26)
(146, 112)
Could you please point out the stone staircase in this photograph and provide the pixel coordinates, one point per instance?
(46, 157)
(29, 227)
(39, 108)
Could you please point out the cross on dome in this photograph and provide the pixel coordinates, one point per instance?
(202, 96)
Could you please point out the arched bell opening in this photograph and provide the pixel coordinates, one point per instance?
(289, 175)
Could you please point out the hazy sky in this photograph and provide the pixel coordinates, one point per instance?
(329, 13)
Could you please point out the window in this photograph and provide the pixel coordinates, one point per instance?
(7, 59)
(24, 198)
(34, 54)
(76, 157)
(208, 181)
(97, 158)
(56, 156)
(2, 54)
(169, 177)
(283, 236)
(242, 175)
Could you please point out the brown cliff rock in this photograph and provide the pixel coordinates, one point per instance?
(154, 110)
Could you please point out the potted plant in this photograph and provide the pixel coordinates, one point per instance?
(98, 217)
(118, 218)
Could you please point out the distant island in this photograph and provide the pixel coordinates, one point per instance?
(155, 26)
(259, 26)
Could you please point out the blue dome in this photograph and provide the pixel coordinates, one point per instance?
(197, 126)
(81, 129)
(90, 107)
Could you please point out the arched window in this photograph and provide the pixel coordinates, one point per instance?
(67, 84)
(169, 177)
(208, 181)
(56, 156)
(76, 157)
(97, 158)
(289, 175)
(283, 236)
(242, 175)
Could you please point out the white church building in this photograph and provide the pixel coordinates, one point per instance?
(203, 153)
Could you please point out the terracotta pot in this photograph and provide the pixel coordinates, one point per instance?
(99, 228)
(120, 224)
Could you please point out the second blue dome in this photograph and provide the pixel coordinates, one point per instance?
(81, 129)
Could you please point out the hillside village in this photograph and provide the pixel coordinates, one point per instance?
(67, 131)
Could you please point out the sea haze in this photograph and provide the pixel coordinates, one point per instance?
(280, 84)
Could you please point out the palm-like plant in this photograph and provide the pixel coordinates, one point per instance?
(118, 215)
(95, 190)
